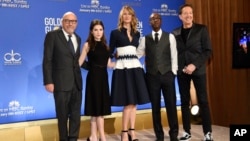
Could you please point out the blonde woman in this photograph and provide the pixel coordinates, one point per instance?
(128, 83)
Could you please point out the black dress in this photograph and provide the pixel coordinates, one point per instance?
(97, 96)
(128, 79)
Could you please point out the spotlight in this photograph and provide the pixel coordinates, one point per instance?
(195, 110)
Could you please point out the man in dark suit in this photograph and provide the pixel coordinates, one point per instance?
(62, 75)
(160, 52)
(194, 49)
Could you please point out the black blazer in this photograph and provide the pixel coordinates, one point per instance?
(196, 50)
(60, 65)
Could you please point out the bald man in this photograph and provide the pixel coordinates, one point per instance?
(62, 76)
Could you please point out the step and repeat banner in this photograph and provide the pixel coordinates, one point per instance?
(24, 24)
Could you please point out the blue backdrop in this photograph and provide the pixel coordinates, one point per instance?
(24, 24)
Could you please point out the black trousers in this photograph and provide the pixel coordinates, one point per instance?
(68, 112)
(199, 81)
(165, 84)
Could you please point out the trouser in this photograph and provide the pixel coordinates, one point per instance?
(163, 83)
(184, 81)
(68, 112)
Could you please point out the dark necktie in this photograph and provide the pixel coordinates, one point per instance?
(70, 43)
(156, 37)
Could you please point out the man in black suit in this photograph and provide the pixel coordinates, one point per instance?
(194, 49)
(62, 75)
(160, 52)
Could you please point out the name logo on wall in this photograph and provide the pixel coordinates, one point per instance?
(16, 109)
(51, 23)
(23, 4)
(140, 27)
(12, 58)
(95, 7)
(164, 10)
(135, 3)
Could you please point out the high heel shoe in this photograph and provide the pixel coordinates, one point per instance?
(88, 139)
(124, 132)
(130, 137)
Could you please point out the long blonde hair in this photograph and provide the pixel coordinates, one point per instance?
(134, 18)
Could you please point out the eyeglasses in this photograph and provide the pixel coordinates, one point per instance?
(67, 21)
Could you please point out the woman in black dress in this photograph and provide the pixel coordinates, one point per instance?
(97, 95)
(128, 83)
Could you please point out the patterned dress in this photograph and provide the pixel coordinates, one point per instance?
(97, 96)
(128, 79)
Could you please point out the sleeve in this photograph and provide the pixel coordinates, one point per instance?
(174, 57)
(140, 51)
(112, 43)
(48, 58)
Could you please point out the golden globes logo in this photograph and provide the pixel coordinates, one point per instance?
(51, 23)
(140, 28)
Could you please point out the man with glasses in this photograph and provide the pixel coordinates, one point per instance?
(62, 76)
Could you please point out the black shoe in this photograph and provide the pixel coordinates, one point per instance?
(123, 133)
(129, 136)
(185, 137)
(208, 137)
(174, 139)
(88, 139)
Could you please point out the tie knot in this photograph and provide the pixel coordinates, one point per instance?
(156, 34)
(69, 36)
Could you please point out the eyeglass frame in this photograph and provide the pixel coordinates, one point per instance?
(67, 21)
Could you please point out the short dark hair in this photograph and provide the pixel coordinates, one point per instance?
(183, 6)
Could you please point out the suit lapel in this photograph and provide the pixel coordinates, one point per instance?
(78, 43)
(190, 35)
(62, 37)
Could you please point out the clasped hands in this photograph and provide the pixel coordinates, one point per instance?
(189, 69)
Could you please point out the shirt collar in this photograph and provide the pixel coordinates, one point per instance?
(159, 33)
(66, 34)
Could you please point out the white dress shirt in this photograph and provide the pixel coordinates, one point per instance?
(173, 49)
(73, 39)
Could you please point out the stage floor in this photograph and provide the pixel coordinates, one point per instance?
(219, 134)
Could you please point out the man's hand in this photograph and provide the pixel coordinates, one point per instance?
(189, 69)
(49, 88)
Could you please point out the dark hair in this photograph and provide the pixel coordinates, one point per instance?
(183, 6)
(91, 40)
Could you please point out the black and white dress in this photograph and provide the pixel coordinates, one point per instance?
(128, 79)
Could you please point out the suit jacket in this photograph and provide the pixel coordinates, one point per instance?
(60, 65)
(196, 50)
